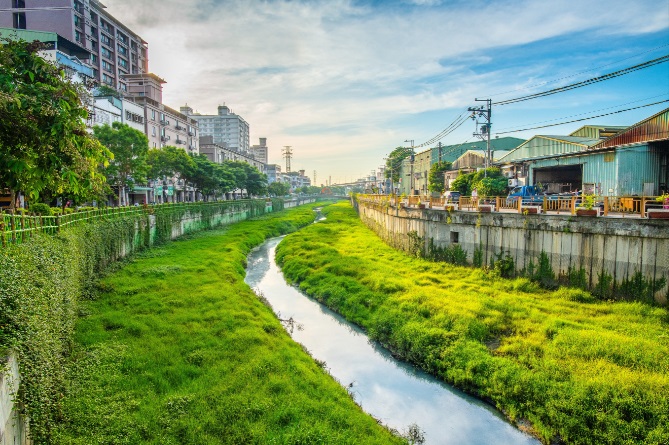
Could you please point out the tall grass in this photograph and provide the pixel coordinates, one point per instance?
(177, 349)
(579, 370)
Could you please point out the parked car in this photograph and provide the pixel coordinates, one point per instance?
(451, 196)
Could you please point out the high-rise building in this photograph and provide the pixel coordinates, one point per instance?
(110, 48)
(226, 128)
(260, 151)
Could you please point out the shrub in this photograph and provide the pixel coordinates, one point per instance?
(40, 209)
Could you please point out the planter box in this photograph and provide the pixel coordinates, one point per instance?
(658, 214)
(587, 212)
(450, 207)
(530, 210)
(486, 208)
(421, 206)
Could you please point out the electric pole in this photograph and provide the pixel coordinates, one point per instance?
(287, 155)
(482, 115)
(314, 177)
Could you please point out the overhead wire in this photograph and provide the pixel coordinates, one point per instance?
(583, 83)
(577, 74)
(584, 119)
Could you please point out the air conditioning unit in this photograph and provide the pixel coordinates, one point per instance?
(513, 182)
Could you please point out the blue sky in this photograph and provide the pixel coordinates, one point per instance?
(344, 82)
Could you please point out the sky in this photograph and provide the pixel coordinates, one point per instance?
(344, 82)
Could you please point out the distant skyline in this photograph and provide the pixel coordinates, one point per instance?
(344, 82)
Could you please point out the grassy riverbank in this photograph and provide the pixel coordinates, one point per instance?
(580, 370)
(177, 349)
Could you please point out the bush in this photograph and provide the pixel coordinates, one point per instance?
(40, 209)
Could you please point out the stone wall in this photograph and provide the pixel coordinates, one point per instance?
(620, 247)
(13, 428)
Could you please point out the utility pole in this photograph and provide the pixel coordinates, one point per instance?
(483, 127)
(314, 177)
(439, 145)
(287, 155)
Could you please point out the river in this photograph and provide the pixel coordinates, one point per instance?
(397, 394)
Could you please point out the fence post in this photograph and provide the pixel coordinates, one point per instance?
(57, 223)
(2, 231)
(606, 205)
(12, 221)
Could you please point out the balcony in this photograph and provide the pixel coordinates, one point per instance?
(164, 138)
(179, 127)
(191, 133)
(164, 122)
(180, 141)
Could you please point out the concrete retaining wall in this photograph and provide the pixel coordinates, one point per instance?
(618, 246)
(13, 428)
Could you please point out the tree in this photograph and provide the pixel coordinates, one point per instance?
(490, 182)
(248, 178)
(130, 148)
(394, 162)
(44, 146)
(436, 177)
(170, 162)
(278, 189)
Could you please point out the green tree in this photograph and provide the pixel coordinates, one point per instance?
(490, 182)
(169, 162)
(394, 162)
(463, 183)
(248, 178)
(436, 176)
(278, 189)
(44, 146)
(130, 148)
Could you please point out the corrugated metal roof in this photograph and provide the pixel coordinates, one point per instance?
(545, 146)
(597, 131)
(655, 128)
(450, 153)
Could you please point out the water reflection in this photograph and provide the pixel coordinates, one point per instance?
(394, 392)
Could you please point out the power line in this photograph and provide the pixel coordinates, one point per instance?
(587, 82)
(448, 130)
(582, 114)
(578, 73)
(585, 118)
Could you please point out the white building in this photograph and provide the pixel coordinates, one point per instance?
(226, 127)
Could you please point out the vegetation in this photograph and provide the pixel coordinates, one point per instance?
(45, 150)
(176, 349)
(394, 162)
(494, 184)
(44, 279)
(130, 148)
(436, 177)
(278, 189)
(579, 370)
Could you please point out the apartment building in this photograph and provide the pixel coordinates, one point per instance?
(226, 128)
(260, 151)
(220, 153)
(273, 172)
(108, 47)
(162, 125)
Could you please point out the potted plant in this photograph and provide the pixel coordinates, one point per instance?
(421, 204)
(587, 206)
(660, 213)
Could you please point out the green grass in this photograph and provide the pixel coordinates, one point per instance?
(177, 349)
(581, 370)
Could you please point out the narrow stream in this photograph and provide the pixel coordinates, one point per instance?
(394, 392)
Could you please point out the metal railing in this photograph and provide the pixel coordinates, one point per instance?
(618, 206)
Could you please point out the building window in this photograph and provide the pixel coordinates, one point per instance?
(94, 44)
(153, 114)
(106, 53)
(19, 4)
(94, 58)
(19, 20)
(455, 237)
(122, 62)
(77, 36)
(153, 130)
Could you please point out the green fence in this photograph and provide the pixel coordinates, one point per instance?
(18, 228)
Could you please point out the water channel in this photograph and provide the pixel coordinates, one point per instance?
(396, 393)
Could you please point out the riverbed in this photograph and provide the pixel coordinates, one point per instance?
(397, 394)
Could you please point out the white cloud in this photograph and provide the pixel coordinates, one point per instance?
(291, 67)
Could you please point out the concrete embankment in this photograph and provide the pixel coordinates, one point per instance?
(616, 247)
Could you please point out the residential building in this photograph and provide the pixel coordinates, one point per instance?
(220, 153)
(225, 127)
(163, 125)
(260, 151)
(67, 54)
(273, 172)
(470, 161)
(108, 47)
